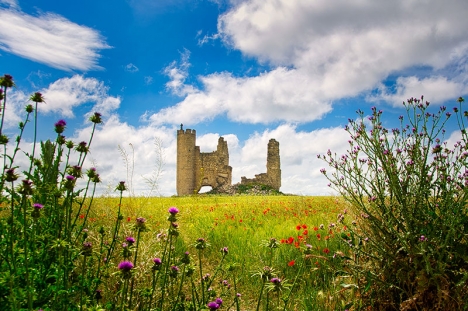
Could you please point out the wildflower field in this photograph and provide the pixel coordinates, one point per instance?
(396, 237)
(248, 240)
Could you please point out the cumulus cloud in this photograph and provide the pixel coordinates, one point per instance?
(436, 89)
(321, 52)
(178, 73)
(65, 94)
(49, 39)
(61, 98)
(280, 94)
(14, 108)
(122, 152)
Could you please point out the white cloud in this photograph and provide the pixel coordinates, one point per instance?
(148, 80)
(139, 145)
(280, 94)
(10, 3)
(14, 109)
(178, 73)
(50, 39)
(131, 68)
(321, 52)
(285, 32)
(436, 89)
(65, 94)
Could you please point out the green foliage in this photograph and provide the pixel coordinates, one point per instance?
(408, 190)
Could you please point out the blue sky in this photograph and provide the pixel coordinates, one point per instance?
(247, 70)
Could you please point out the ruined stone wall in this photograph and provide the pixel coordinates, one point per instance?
(196, 169)
(272, 177)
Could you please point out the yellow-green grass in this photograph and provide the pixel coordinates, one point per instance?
(243, 224)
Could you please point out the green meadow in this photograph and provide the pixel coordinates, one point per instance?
(245, 225)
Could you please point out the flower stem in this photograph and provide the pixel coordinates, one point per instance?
(135, 263)
(34, 141)
(260, 295)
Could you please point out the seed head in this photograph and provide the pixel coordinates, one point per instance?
(121, 186)
(60, 126)
(6, 81)
(37, 98)
(96, 118)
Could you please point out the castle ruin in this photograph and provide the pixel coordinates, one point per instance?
(196, 169)
(272, 177)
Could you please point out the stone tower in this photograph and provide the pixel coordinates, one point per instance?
(273, 164)
(272, 177)
(186, 155)
(196, 169)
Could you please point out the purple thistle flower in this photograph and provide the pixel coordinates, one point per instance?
(87, 248)
(61, 123)
(70, 178)
(141, 223)
(173, 210)
(174, 271)
(213, 305)
(38, 206)
(130, 240)
(219, 301)
(157, 264)
(125, 266)
(275, 281)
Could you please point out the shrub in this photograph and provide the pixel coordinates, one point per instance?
(408, 190)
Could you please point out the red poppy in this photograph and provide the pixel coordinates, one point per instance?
(315, 228)
(296, 244)
(283, 241)
(327, 237)
(305, 232)
(291, 263)
(326, 250)
(128, 219)
(240, 220)
(304, 226)
(81, 216)
(298, 227)
(290, 240)
(300, 237)
(318, 236)
(344, 228)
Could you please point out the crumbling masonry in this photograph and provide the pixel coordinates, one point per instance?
(196, 169)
